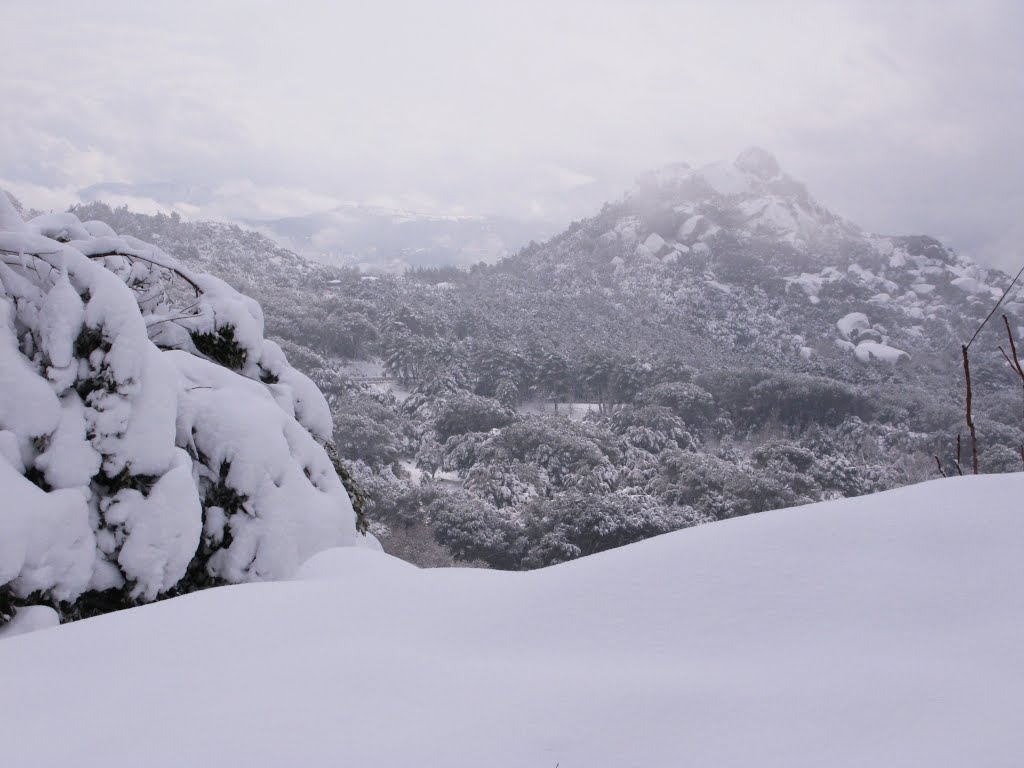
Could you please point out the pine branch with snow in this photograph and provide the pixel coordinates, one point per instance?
(151, 440)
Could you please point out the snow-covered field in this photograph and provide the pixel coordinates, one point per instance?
(880, 631)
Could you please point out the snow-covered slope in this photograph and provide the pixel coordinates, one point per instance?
(878, 631)
(745, 246)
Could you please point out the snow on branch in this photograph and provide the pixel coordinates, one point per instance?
(149, 445)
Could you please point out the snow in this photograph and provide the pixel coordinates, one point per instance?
(758, 162)
(867, 351)
(344, 564)
(128, 438)
(884, 630)
(161, 530)
(363, 369)
(61, 317)
(48, 542)
(28, 406)
(59, 226)
(299, 396)
(898, 259)
(849, 346)
(811, 283)
(99, 229)
(295, 504)
(672, 174)
(654, 243)
(573, 411)
(689, 226)
(31, 618)
(973, 286)
(642, 254)
(854, 321)
(725, 178)
(69, 460)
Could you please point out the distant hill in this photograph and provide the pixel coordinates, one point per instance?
(733, 347)
(374, 238)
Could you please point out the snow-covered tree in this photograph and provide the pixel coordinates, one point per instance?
(151, 440)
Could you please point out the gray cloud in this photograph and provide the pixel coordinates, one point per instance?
(902, 116)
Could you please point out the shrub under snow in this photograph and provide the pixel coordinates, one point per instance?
(150, 438)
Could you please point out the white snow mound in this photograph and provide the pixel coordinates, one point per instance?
(879, 631)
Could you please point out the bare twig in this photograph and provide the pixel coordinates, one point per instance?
(155, 263)
(967, 368)
(9, 252)
(969, 413)
(129, 256)
(998, 303)
(959, 469)
(1012, 358)
(172, 319)
(938, 464)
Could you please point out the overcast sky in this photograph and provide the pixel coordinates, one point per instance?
(903, 116)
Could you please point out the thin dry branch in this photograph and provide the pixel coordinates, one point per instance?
(9, 252)
(179, 273)
(967, 369)
(969, 413)
(129, 256)
(1012, 358)
(998, 304)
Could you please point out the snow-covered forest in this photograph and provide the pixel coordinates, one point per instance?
(715, 344)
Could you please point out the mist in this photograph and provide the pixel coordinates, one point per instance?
(903, 119)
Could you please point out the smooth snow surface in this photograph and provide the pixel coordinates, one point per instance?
(880, 631)
(30, 618)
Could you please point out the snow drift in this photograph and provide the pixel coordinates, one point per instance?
(883, 630)
(150, 438)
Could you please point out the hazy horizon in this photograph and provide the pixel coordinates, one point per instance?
(903, 119)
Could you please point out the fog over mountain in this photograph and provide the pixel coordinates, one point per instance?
(904, 116)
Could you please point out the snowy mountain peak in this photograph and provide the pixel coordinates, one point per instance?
(755, 174)
(752, 194)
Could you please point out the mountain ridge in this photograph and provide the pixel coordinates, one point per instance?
(723, 367)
